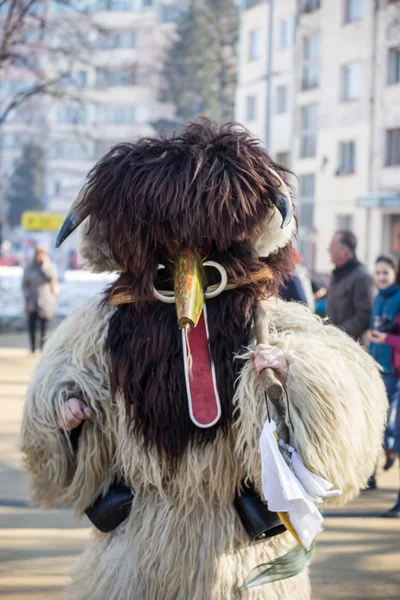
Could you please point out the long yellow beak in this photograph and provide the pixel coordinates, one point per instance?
(189, 284)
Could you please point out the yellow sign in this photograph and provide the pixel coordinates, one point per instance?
(41, 221)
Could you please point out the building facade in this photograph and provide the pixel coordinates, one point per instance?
(319, 84)
(110, 96)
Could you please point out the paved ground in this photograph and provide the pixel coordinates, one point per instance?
(358, 555)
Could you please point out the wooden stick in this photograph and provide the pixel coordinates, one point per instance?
(271, 384)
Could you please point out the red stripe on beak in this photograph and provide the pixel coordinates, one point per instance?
(201, 385)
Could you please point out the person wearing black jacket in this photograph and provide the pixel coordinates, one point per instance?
(351, 290)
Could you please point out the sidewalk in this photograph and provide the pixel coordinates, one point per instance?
(37, 548)
(357, 558)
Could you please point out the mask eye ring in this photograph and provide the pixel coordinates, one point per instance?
(208, 295)
(224, 279)
(162, 297)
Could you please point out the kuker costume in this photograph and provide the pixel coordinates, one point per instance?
(199, 226)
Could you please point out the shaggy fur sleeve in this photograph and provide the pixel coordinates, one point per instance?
(337, 401)
(72, 364)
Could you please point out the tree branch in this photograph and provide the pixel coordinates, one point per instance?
(21, 97)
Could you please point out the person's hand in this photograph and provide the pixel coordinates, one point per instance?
(320, 293)
(265, 356)
(72, 414)
(377, 337)
(377, 322)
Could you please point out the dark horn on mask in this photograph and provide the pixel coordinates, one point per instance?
(284, 206)
(284, 203)
(77, 214)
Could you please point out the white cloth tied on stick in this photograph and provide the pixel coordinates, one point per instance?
(296, 492)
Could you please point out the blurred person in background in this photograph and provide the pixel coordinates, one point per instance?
(384, 337)
(320, 296)
(7, 256)
(297, 287)
(40, 288)
(349, 301)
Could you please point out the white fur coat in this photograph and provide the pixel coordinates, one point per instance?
(183, 540)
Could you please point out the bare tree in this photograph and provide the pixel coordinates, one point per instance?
(39, 43)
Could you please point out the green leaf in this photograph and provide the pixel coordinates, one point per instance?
(288, 565)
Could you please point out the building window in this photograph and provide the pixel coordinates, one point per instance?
(12, 87)
(119, 5)
(255, 44)
(281, 99)
(307, 187)
(311, 5)
(283, 159)
(80, 6)
(71, 115)
(148, 3)
(392, 147)
(10, 141)
(394, 233)
(251, 3)
(344, 222)
(287, 32)
(308, 130)
(351, 82)
(306, 201)
(117, 115)
(310, 61)
(171, 13)
(61, 6)
(308, 252)
(103, 146)
(111, 40)
(306, 215)
(74, 79)
(251, 108)
(347, 158)
(31, 36)
(35, 8)
(57, 188)
(394, 66)
(116, 78)
(72, 150)
(354, 10)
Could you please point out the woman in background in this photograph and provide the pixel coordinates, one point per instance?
(40, 289)
(392, 340)
(385, 315)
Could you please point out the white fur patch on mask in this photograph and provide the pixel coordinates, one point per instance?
(272, 237)
(95, 251)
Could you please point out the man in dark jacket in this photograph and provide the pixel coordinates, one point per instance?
(351, 290)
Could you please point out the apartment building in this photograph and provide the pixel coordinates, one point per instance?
(319, 84)
(111, 96)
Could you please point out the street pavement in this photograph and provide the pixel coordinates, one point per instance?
(357, 558)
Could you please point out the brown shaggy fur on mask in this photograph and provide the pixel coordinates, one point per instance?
(208, 182)
(145, 348)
